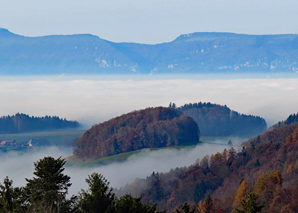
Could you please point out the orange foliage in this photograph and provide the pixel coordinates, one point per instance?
(152, 127)
(241, 194)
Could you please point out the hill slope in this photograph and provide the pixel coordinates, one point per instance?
(149, 128)
(217, 120)
(270, 170)
(291, 119)
(191, 53)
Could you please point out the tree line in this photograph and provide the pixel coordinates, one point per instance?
(24, 123)
(218, 120)
(46, 192)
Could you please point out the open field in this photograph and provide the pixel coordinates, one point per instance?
(55, 138)
(74, 161)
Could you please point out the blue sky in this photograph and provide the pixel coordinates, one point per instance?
(148, 21)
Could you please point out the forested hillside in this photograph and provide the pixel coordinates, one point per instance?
(217, 120)
(291, 119)
(148, 128)
(262, 175)
(24, 123)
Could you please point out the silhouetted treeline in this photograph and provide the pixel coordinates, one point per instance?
(217, 120)
(24, 123)
(148, 128)
(263, 174)
(291, 119)
(47, 192)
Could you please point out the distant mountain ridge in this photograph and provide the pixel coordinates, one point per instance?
(191, 53)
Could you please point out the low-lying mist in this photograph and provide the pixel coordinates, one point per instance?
(140, 165)
(92, 100)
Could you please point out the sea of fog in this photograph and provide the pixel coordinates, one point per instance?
(94, 99)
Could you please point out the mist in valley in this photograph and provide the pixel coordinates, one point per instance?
(94, 99)
(18, 166)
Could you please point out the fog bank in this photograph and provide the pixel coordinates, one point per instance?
(93, 100)
(20, 166)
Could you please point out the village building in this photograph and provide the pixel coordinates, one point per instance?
(7, 143)
(38, 142)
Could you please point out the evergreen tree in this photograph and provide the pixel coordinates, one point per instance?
(6, 196)
(99, 198)
(250, 205)
(257, 163)
(47, 191)
(208, 200)
(129, 204)
(200, 191)
(185, 208)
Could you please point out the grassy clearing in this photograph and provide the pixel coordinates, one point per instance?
(74, 161)
(56, 138)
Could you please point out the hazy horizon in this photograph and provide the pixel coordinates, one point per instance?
(92, 99)
(149, 22)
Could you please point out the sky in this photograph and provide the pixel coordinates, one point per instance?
(147, 21)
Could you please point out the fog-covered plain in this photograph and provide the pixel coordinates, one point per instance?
(20, 166)
(94, 99)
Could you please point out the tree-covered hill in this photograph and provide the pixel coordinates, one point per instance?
(24, 123)
(291, 119)
(263, 173)
(148, 128)
(217, 120)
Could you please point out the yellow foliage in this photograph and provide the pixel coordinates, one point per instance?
(290, 169)
(295, 135)
(267, 180)
(201, 207)
(276, 178)
(241, 194)
(217, 157)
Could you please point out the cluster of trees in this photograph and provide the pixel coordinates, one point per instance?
(148, 128)
(291, 119)
(262, 175)
(24, 123)
(217, 120)
(46, 193)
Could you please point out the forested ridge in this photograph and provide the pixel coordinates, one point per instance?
(291, 119)
(24, 123)
(263, 173)
(148, 128)
(218, 120)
